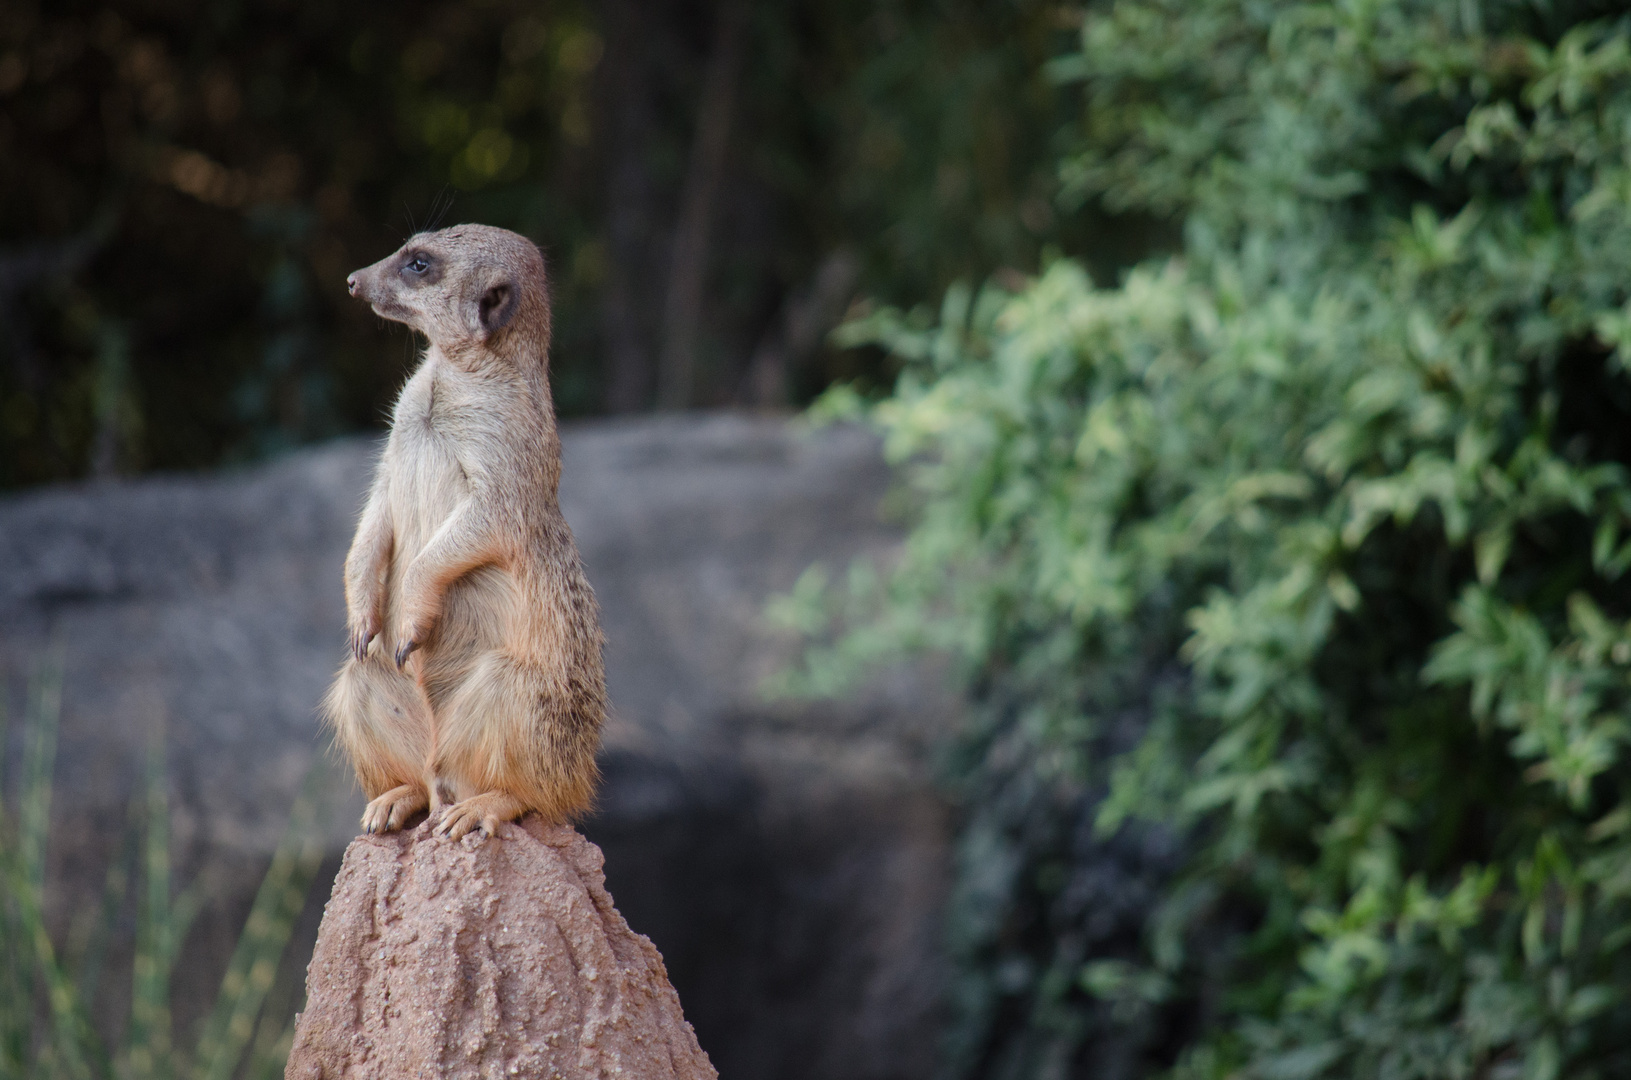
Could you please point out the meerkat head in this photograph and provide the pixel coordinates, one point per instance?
(466, 287)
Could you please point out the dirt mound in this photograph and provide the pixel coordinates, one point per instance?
(499, 957)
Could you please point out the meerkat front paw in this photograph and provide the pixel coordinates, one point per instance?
(404, 650)
(486, 811)
(364, 607)
(392, 810)
(363, 632)
(409, 637)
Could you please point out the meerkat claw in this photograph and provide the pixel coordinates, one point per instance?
(485, 812)
(460, 822)
(403, 651)
(392, 810)
(456, 828)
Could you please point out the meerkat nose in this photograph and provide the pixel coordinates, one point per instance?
(351, 284)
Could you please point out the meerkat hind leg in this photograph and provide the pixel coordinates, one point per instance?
(392, 810)
(485, 811)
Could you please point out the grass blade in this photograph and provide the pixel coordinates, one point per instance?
(39, 763)
(70, 1048)
(270, 1054)
(74, 1050)
(255, 961)
(77, 1050)
(16, 989)
(147, 1047)
(89, 945)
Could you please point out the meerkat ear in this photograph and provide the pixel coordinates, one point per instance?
(497, 307)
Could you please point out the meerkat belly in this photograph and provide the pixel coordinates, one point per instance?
(477, 620)
(479, 610)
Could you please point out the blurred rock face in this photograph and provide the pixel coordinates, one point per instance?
(788, 861)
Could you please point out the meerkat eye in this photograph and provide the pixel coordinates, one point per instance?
(417, 265)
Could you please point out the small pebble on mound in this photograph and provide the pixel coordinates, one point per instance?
(497, 957)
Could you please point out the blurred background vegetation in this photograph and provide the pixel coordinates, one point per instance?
(1288, 573)
(1257, 370)
(185, 185)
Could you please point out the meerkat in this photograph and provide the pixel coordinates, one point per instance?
(474, 688)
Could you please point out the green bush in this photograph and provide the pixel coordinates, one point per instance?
(1288, 576)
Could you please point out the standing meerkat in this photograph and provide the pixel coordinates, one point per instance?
(474, 683)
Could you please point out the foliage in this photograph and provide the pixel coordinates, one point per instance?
(186, 186)
(183, 188)
(237, 1038)
(1294, 565)
(939, 125)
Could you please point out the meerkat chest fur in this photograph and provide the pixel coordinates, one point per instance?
(465, 445)
(435, 439)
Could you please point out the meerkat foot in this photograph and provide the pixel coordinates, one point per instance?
(392, 810)
(485, 811)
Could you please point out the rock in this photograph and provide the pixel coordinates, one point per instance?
(499, 957)
(790, 860)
